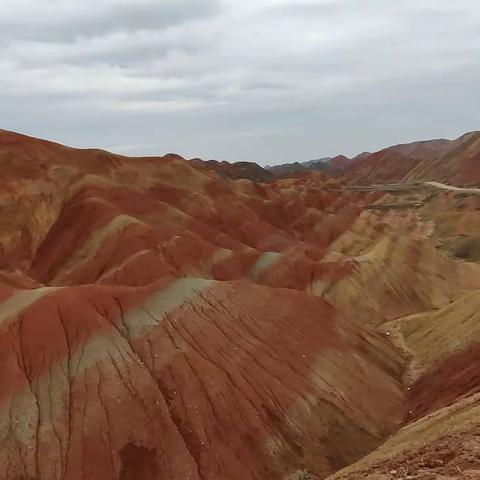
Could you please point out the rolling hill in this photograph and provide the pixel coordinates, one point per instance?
(160, 319)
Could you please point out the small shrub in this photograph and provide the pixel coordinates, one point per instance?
(301, 475)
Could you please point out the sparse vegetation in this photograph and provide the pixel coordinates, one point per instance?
(301, 475)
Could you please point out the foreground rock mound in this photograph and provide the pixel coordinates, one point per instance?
(155, 381)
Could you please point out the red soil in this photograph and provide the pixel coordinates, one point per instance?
(454, 377)
(183, 385)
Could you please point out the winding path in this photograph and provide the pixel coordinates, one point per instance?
(443, 186)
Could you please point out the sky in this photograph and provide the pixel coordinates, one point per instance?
(269, 81)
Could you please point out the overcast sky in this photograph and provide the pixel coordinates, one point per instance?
(269, 81)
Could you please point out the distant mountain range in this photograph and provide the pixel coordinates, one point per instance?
(237, 170)
(455, 161)
(332, 165)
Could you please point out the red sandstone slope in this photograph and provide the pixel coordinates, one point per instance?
(339, 164)
(424, 149)
(459, 166)
(160, 321)
(451, 161)
(392, 164)
(186, 379)
(384, 166)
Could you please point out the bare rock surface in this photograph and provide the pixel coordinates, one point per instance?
(159, 320)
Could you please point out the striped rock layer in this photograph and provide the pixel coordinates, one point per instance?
(161, 321)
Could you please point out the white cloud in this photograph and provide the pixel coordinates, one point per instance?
(320, 64)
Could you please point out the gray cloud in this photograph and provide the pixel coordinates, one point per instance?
(268, 81)
(64, 20)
